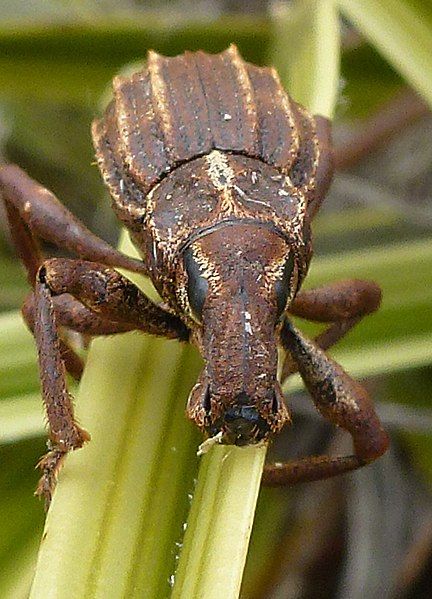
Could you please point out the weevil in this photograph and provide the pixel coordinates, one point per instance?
(217, 173)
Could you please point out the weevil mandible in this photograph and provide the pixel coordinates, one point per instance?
(217, 173)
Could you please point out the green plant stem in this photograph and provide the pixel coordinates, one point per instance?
(220, 523)
(306, 52)
(21, 418)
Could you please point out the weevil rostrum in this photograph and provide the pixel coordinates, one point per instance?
(217, 174)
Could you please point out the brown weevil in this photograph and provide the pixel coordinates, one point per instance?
(217, 173)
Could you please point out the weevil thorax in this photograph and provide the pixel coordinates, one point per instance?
(214, 170)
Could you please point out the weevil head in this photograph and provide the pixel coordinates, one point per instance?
(240, 279)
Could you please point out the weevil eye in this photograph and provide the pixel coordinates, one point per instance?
(197, 286)
(286, 284)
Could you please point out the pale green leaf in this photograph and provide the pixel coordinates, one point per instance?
(401, 31)
(219, 524)
(21, 418)
(306, 52)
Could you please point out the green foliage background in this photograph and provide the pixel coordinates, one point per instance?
(55, 64)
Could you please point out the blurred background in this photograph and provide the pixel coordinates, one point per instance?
(363, 535)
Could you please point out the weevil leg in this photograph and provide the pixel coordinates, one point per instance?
(105, 295)
(343, 304)
(341, 400)
(64, 433)
(111, 297)
(337, 301)
(72, 314)
(74, 364)
(35, 213)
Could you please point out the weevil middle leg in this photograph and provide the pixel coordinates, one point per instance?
(344, 304)
(340, 399)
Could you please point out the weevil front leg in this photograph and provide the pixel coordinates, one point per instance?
(341, 400)
(64, 432)
(73, 315)
(112, 298)
(343, 304)
(73, 363)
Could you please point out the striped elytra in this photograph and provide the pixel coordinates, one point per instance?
(179, 108)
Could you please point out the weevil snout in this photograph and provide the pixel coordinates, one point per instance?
(241, 420)
(239, 280)
(243, 425)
